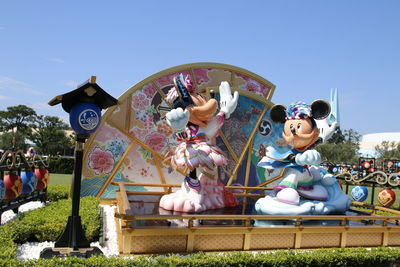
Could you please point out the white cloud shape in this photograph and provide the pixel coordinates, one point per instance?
(56, 59)
(71, 83)
(10, 84)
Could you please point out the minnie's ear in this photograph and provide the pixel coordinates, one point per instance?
(320, 109)
(278, 114)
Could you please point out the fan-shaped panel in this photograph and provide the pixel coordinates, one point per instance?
(136, 128)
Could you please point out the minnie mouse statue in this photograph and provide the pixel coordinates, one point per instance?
(194, 123)
(303, 177)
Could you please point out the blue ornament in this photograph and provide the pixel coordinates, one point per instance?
(359, 193)
(2, 190)
(335, 169)
(29, 182)
(85, 118)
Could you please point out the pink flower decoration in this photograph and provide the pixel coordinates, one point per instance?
(252, 86)
(189, 83)
(101, 161)
(140, 101)
(168, 79)
(157, 141)
(201, 75)
(149, 90)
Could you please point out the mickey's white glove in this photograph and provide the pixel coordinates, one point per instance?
(308, 157)
(177, 119)
(227, 102)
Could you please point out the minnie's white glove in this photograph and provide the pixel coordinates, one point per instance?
(227, 102)
(177, 119)
(308, 157)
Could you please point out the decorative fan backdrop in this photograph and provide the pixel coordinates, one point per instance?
(130, 144)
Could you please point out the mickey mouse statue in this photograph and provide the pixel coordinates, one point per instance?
(320, 192)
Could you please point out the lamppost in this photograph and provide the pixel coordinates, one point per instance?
(84, 106)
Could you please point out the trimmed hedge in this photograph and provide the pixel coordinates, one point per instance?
(57, 192)
(320, 257)
(61, 165)
(47, 224)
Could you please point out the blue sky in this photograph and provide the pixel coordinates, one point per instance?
(304, 47)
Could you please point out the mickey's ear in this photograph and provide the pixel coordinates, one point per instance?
(278, 114)
(320, 109)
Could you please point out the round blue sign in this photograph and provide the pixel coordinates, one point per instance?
(359, 193)
(85, 118)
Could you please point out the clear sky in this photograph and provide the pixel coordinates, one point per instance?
(304, 47)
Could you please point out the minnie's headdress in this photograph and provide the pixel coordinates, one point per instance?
(318, 110)
(179, 95)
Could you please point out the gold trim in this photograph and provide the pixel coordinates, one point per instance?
(159, 170)
(253, 132)
(128, 115)
(161, 92)
(250, 151)
(273, 179)
(116, 168)
(193, 76)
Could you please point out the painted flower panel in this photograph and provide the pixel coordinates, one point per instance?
(254, 86)
(101, 161)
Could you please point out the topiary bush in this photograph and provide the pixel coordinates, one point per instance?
(320, 257)
(47, 223)
(57, 192)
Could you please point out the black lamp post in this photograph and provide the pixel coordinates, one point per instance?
(84, 106)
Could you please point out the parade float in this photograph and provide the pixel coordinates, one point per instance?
(130, 162)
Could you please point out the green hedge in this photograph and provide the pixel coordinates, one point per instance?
(321, 257)
(61, 165)
(57, 192)
(47, 224)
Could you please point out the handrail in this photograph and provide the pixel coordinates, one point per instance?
(178, 185)
(253, 217)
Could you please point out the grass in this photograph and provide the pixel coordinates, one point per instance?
(57, 178)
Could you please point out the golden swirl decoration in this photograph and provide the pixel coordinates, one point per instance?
(394, 179)
(15, 159)
(379, 177)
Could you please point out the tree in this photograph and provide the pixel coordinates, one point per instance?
(9, 140)
(16, 124)
(49, 135)
(388, 150)
(18, 118)
(342, 147)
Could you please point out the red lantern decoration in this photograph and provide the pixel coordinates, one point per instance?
(371, 170)
(386, 197)
(366, 164)
(13, 185)
(42, 177)
(340, 184)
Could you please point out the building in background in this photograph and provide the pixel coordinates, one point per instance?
(368, 142)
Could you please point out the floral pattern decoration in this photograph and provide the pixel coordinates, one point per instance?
(101, 161)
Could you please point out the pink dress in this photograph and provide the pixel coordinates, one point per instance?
(195, 149)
